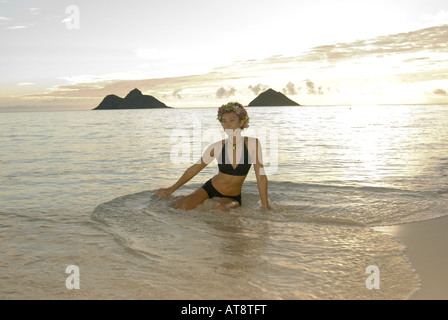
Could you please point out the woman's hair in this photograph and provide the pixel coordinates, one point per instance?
(238, 109)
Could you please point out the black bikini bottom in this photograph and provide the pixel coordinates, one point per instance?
(212, 192)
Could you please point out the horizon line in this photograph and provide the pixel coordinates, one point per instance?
(10, 109)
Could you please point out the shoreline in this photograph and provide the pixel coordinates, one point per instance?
(426, 245)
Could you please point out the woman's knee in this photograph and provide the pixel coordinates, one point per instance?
(177, 201)
(226, 204)
(191, 201)
(183, 203)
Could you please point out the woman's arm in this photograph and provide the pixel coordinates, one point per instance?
(192, 171)
(262, 181)
(260, 174)
(188, 175)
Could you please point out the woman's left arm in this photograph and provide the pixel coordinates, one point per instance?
(260, 174)
(262, 181)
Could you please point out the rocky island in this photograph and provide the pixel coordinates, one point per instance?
(271, 98)
(134, 100)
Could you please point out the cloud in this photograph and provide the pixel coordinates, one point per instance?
(413, 57)
(310, 86)
(176, 94)
(440, 18)
(223, 93)
(34, 11)
(291, 89)
(17, 27)
(438, 95)
(418, 42)
(258, 88)
(90, 86)
(440, 92)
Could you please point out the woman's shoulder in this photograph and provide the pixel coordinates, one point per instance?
(253, 144)
(215, 146)
(251, 140)
(217, 143)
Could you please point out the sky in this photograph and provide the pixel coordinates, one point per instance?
(68, 55)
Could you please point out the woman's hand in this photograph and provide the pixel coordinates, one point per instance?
(266, 206)
(163, 192)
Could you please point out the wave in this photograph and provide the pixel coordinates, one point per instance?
(309, 246)
(367, 205)
(318, 203)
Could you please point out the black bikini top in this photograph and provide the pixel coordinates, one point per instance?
(241, 169)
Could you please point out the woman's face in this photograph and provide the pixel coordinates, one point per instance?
(230, 121)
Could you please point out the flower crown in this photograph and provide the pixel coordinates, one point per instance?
(238, 109)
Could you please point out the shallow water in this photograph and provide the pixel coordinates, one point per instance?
(77, 189)
(287, 253)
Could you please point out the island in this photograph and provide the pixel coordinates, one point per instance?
(270, 98)
(134, 100)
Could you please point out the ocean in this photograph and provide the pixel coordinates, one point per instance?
(79, 219)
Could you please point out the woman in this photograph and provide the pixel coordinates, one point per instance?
(227, 184)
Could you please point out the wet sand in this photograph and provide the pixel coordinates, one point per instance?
(427, 250)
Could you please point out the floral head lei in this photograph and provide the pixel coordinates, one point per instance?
(238, 109)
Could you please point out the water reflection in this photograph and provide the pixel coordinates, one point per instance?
(384, 146)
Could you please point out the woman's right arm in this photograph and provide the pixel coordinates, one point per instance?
(187, 176)
(189, 173)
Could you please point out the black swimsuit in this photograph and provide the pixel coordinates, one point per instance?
(212, 192)
(226, 167)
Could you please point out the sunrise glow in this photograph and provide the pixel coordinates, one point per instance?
(68, 56)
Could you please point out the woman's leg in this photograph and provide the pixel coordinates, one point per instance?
(191, 201)
(225, 204)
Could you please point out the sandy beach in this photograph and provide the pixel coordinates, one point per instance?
(426, 247)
